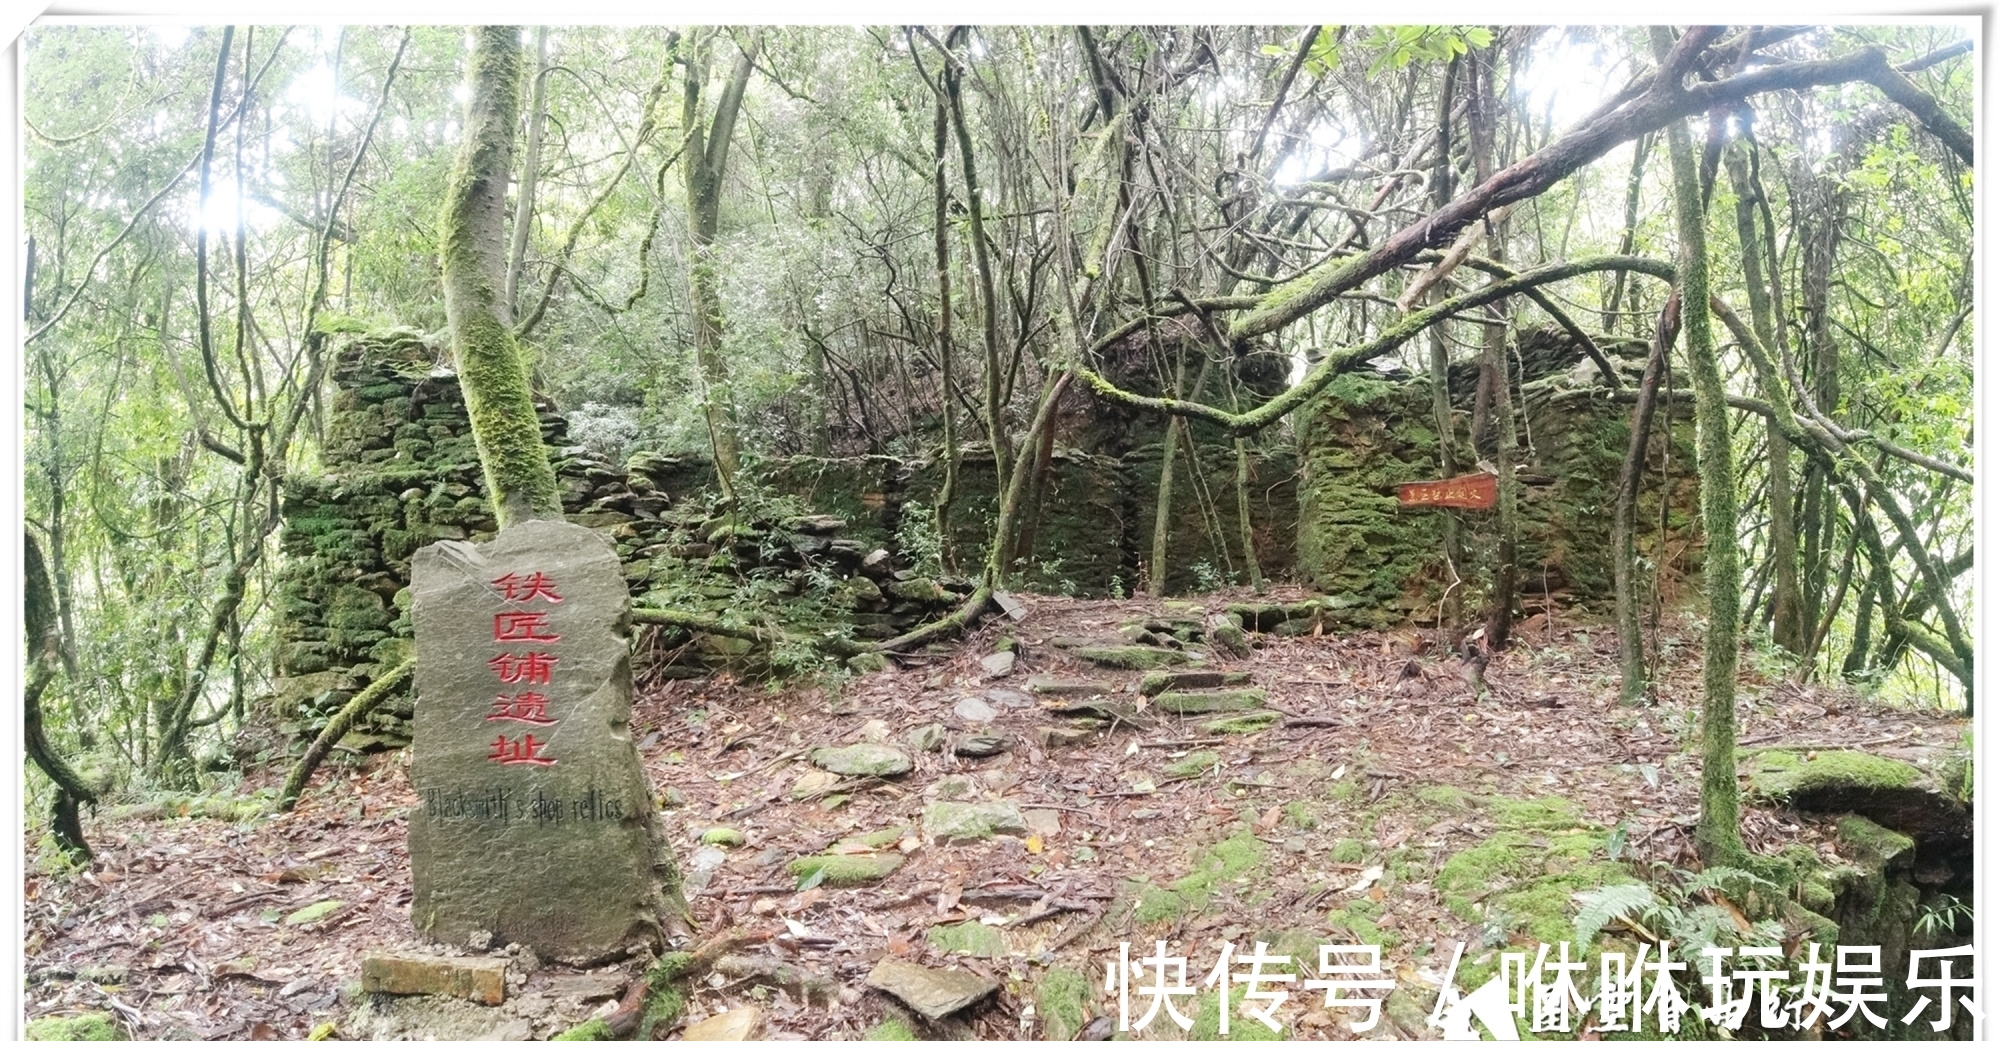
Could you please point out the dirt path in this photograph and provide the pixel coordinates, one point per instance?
(1332, 829)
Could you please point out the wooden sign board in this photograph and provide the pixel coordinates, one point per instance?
(1470, 492)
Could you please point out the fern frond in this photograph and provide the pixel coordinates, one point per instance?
(1601, 905)
(1720, 876)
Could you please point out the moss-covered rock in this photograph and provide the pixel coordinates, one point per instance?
(1782, 775)
(1248, 723)
(90, 1026)
(849, 869)
(1062, 1003)
(1191, 702)
(1194, 764)
(973, 938)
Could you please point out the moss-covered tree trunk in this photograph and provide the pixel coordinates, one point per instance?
(1789, 624)
(1717, 835)
(491, 369)
(1483, 117)
(40, 619)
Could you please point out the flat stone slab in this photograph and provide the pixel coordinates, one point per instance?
(740, 1024)
(973, 710)
(1195, 702)
(1064, 687)
(1001, 697)
(529, 787)
(1197, 679)
(483, 980)
(1132, 656)
(846, 869)
(863, 760)
(972, 821)
(1250, 723)
(933, 993)
(814, 783)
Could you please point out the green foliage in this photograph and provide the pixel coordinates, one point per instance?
(1402, 44)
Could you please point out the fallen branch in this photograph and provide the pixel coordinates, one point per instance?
(835, 645)
(336, 728)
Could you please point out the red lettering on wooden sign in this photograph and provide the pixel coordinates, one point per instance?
(1472, 491)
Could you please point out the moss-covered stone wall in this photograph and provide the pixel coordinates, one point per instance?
(399, 469)
(1369, 433)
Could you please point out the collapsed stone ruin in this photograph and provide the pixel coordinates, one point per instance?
(399, 470)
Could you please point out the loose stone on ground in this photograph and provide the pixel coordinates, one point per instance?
(863, 760)
(933, 993)
(972, 821)
(735, 1025)
(1194, 702)
(483, 980)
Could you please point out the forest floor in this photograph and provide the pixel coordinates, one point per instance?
(1330, 828)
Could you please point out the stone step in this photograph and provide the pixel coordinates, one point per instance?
(1194, 679)
(1134, 658)
(1196, 702)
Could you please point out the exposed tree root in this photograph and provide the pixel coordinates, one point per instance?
(336, 728)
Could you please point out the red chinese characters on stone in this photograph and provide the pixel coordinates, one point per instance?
(532, 667)
(518, 590)
(530, 707)
(522, 627)
(525, 749)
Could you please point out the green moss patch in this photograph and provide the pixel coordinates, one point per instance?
(1780, 775)
(1193, 765)
(1525, 874)
(857, 869)
(91, 1026)
(974, 938)
(1062, 1002)
(1227, 861)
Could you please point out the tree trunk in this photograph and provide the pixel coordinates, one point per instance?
(531, 171)
(1789, 622)
(706, 160)
(1632, 685)
(1500, 617)
(1718, 830)
(39, 614)
(1253, 571)
(491, 370)
(947, 389)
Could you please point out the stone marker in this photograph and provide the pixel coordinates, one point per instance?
(483, 980)
(936, 993)
(534, 821)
